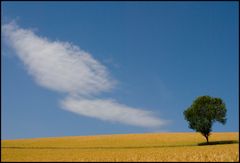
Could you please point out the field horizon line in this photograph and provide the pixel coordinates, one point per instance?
(114, 135)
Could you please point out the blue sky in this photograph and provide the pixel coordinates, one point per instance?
(147, 61)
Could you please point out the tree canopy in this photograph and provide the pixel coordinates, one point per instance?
(203, 112)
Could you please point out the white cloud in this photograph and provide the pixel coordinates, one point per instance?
(110, 110)
(58, 65)
(64, 67)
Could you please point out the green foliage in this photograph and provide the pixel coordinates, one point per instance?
(204, 111)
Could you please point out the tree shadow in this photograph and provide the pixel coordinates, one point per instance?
(219, 142)
(127, 147)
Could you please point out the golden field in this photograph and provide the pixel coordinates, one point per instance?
(124, 147)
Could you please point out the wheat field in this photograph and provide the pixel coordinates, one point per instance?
(124, 147)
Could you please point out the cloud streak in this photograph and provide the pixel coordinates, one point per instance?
(64, 67)
(57, 65)
(110, 110)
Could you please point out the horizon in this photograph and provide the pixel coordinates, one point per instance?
(88, 69)
(120, 134)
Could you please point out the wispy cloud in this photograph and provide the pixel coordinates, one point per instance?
(64, 67)
(110, 110)
(57, 65)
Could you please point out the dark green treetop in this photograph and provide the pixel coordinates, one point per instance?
(204, 111)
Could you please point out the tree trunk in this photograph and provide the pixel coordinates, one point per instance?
(206, 136)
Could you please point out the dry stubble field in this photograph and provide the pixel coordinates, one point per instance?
(124, 147)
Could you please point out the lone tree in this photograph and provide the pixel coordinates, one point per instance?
(204, 111)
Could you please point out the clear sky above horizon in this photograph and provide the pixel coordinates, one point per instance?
(160, 55)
